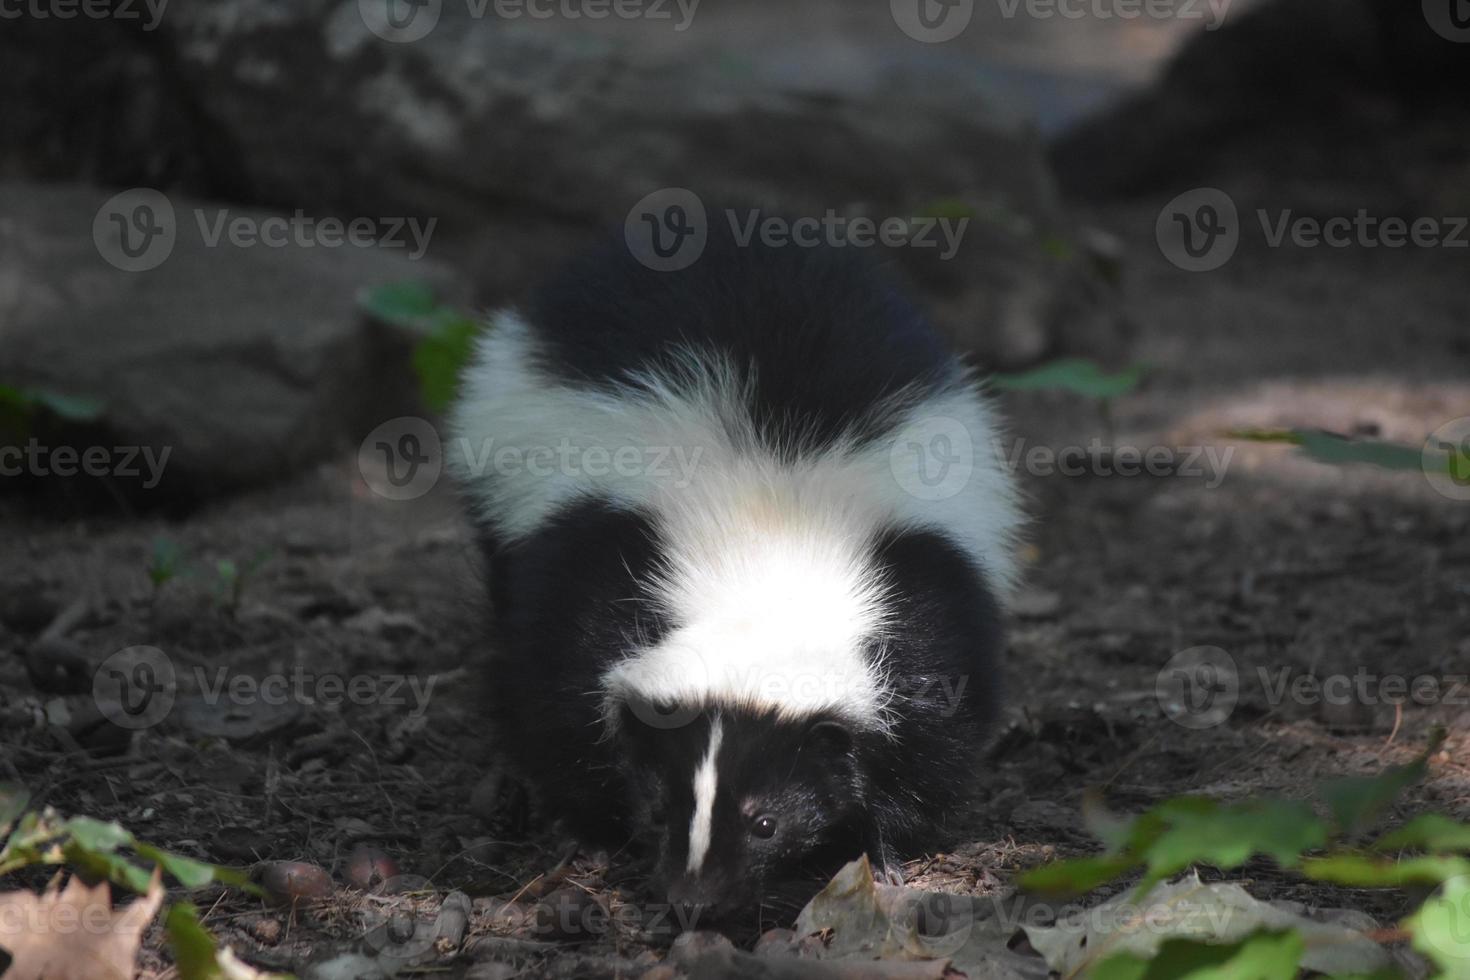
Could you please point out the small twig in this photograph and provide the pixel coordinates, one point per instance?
(68, 619)
(1398, 719)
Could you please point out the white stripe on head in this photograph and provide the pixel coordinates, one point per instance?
(702, 823)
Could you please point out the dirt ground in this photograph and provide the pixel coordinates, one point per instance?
(1281, 563)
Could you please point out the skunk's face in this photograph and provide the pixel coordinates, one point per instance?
(755, 814)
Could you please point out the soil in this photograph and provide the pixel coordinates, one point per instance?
(1283, 564)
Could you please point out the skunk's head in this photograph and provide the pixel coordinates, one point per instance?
(753, 813)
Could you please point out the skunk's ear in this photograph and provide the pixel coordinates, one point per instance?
(830, 739)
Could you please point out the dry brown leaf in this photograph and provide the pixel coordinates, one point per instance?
(73, 932)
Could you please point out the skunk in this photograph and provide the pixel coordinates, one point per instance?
(749, 535)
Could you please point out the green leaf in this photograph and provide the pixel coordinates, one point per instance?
(113, 867)
(1441, 928)
(1356, 801)
(1361, 871)
(1260, 956)
(1230, 836)
(1429, 832)
(1328, 448)
(1075, 876)
(96, 836)
(72, 408)
(13, 800)
(194, 951)
(1075, 375)
(404, 304)
(189, 872)
(439, 358)
(167, 559)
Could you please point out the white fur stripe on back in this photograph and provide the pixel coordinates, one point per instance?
(705, 778)
(766, 575)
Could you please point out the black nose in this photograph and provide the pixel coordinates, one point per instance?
(691, 907)
(691, 915)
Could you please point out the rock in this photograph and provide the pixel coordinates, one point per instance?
(28, 607)
(59, 666)
(693, 946)
(776, 942)
(266, 930)
(1308, 91)
(454, 919)
(524, 143)
(219, 367)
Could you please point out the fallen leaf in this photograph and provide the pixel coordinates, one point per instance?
(868, 921)
(72, 932)
(1220, 913)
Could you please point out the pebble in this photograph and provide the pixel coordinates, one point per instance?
(266, 930)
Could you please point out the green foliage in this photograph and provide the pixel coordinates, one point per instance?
(1076, 375)
(13, 800)
(1357, 801)
(102, 849)
(194, 950)
(1180, 833)
(230, 578)
(1430, 832)
(446, 336)
(1441, 928)
(440, 358)
(1260, 956)
(166, 563)
(20, 408)
(403, 304)
(1336, 450)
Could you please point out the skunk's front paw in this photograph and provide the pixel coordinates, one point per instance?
(887, 869)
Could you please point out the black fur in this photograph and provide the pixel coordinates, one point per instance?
(827, 341)
(827, 337)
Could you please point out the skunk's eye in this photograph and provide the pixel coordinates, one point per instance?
(763, 826)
